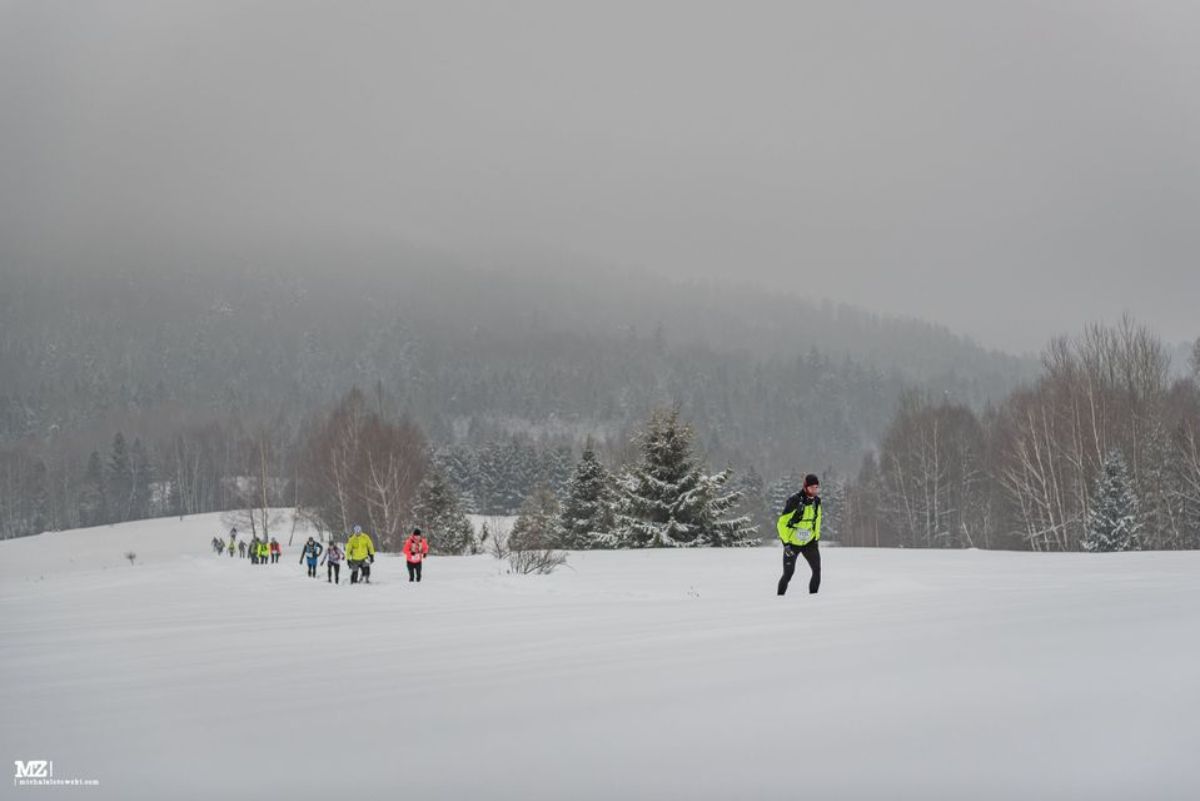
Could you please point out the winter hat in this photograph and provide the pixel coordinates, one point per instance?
(811, 480)
(416, 532)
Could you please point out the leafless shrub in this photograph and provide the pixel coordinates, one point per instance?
(541, 561)
(494, 538)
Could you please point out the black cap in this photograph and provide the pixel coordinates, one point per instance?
(811, 479)
(417, 532)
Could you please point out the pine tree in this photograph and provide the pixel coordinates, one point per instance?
(141, 481)
(1114, 523)
(780, 490)
(93, 505)
(492, 477)
(754, 499)
(37, 491)
(521, 475)
(537, 528)
(668, 501)
(555, 469)
(461, 468)
(440, 517)
(833, 506)
(711, 506)
(587, 517)
(120, 481)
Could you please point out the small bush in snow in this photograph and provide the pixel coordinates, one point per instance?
(541, 561)
(131, 556)
(494, 542)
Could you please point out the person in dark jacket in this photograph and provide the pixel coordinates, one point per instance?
(312, 552)
(799, 529)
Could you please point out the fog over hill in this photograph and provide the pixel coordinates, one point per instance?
(260, 329)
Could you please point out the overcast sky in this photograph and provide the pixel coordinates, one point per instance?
(1012, 169)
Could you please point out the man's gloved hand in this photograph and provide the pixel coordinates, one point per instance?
(371, 558)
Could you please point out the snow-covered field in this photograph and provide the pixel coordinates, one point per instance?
(664, 674)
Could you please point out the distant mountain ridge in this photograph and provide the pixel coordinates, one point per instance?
(252, 331)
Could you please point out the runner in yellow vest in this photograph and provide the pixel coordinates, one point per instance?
(799, 529)
(360, 554)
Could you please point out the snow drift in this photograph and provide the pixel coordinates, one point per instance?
(651, 674)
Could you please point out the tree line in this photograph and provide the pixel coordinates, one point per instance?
(1101, 452)
(355, 465)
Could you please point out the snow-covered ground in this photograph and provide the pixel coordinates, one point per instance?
(663, 674)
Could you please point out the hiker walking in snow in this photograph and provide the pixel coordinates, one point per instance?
(232, 549)
(241, 549)
(275, 550)
(416, 548)
(360, 554)
(264, 551)
(253, 549)
(333, 557)
(312, 550)
(799, 529)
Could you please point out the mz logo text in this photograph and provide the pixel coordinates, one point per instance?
(35, 769)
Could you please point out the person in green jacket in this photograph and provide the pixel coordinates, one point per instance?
(264, 552)
(799, 529)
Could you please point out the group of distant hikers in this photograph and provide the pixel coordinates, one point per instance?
(260, 551)
(799, 529)
(359, 554)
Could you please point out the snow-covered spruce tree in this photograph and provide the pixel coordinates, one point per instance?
(667, 500)
(833, 506)
(555, 468)
(440, 517)
(1113, 523)
(461, 469)
(537, 527)
(587, 516)
(753, 503)
(780, 490)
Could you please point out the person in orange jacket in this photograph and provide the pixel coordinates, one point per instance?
(416, 548)
(275, 550)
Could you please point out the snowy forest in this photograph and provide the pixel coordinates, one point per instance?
(1101, 452)
(373, 397)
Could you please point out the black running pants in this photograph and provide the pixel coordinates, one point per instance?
(811, 555)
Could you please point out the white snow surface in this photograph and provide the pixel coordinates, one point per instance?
(638, 674)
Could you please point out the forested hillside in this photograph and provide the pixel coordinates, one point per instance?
(770, 380)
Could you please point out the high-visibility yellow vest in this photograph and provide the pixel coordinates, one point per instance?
(806, 529)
